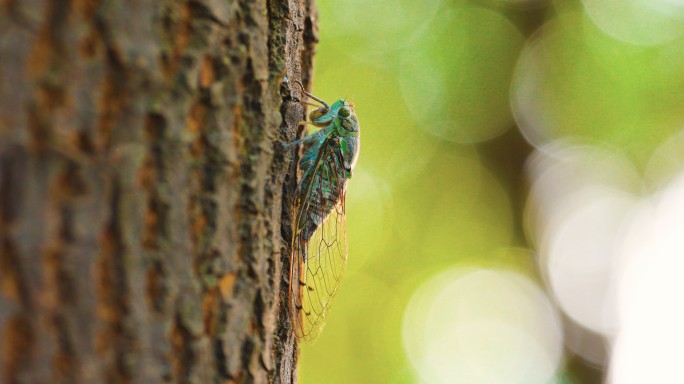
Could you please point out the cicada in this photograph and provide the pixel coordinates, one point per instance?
(319, 237)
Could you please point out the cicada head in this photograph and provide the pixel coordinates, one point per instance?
(346, 120)
(347, 128)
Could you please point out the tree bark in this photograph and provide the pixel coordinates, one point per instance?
(143, 191)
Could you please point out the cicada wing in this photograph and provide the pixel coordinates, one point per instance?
(325, 265)
(318, 263)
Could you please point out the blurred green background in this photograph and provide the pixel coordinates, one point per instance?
(453, 97)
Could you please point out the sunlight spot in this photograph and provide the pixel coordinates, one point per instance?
(482, 326)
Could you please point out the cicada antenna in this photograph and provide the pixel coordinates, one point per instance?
(310, 95)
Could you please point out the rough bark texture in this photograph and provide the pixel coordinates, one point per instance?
(142, 188)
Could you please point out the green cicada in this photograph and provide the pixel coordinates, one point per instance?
(319, 238)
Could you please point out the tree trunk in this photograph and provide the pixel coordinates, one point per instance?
(143, 190)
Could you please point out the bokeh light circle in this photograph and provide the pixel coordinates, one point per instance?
(561, 170)
(572, 81)
(580, 198)
(560, 89)
(459, 91)
(580, 254)
(641, 22)
(667, 162)
(359, 23)
(650, 342)
(482, 326)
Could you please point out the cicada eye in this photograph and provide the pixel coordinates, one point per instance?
(344, 112)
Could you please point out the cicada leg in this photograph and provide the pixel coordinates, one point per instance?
(323, 103)
(306, 139)
(309, 104)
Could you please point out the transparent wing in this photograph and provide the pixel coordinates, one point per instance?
(318, 277)
(319, 263)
